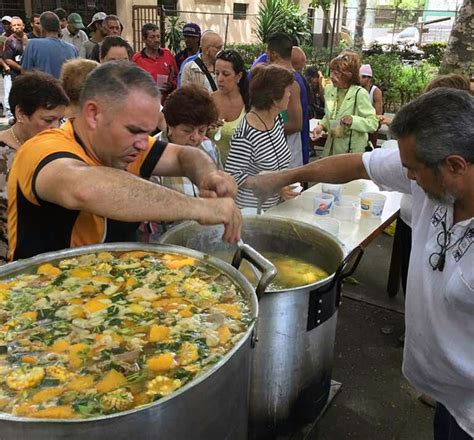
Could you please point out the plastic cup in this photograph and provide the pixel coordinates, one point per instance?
(335, 190)
(346, 209)
(322, 204)
(371, 204)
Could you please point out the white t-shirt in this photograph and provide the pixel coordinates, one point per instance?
(439, 338)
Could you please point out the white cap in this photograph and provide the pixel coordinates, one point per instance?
(7, 18)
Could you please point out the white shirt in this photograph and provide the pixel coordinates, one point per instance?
(76, 40)
(439, 338)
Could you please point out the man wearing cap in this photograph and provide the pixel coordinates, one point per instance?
(375, 95)
(191, 37)
(48, 54)
(73, 32)
(99, 33)
(157, 61)
(111, 27)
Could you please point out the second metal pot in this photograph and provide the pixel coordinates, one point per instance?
(292, 361)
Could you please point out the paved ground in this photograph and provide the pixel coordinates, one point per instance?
(375, 401)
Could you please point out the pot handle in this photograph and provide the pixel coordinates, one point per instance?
(322, 306)
(266, 268)
(344, 271)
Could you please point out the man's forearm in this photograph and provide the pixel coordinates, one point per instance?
(13, 65)
(341, 168)
(114, 194)
(195, 164)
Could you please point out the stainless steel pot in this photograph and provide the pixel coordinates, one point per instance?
(214, 406)
(292, 362)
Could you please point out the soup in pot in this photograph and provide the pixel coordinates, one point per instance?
(107, 332)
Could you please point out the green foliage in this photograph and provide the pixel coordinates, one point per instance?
(434, 52)
(399, 83)
(174, 26)
(249, 52)
(281, 16)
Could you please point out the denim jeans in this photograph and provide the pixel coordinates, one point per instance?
(446, 427)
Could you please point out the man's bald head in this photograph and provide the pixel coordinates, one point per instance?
(298, 59)
(50, 22)
(211, 44)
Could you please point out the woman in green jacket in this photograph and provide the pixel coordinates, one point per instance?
(349, 114)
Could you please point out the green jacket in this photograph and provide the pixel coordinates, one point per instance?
(364, 120)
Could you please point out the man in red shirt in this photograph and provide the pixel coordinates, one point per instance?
(157, 61)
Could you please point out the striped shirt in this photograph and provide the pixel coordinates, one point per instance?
(254, 151)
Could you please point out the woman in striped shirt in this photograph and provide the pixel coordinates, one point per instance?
(259, 144)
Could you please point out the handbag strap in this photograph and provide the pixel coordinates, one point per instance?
(206, 72)
(353, 113)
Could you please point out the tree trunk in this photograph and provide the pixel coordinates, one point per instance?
(459, 56)
(359, 26)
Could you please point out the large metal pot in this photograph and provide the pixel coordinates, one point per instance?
(214, 406)
(292, 362)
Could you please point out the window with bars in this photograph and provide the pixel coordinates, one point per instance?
(240, 11)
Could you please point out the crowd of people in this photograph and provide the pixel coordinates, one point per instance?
(102, 139)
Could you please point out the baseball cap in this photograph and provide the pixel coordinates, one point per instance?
(366, 70)
(98, 16)
(191, 30)
(7, 18)
(75, 20)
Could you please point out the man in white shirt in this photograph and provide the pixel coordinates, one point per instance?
(73, 33)
(434, 164)
(201, 70)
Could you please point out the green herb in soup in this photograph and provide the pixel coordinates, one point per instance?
(103, 333)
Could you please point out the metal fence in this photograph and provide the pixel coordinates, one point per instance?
(234, 28)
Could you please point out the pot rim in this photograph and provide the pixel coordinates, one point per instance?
(278, 219)
(21, 265)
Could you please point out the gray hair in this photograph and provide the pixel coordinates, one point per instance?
(442, 122)
(49, 21)
(114, 80)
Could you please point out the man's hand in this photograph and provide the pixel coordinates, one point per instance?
(222, 210)
(218, 184)
(287, 193)
(265, 185)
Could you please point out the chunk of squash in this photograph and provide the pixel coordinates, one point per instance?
(48, 270)
(111, 381)
(178, 264)
(161, 362)
(232, 310)
(94, 305)
(81, 383)
(47, 394)
(29, 315)
(83, 273)
(224, 334)
(158, 333)
(77, 354)
(60, 346)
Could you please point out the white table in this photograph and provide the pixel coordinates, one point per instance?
(359, 232)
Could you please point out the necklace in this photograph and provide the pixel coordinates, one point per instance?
(15, 137)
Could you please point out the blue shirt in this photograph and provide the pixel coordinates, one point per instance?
(304, 105)
(47, 55)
